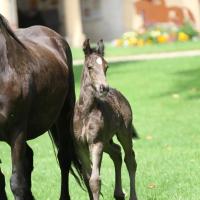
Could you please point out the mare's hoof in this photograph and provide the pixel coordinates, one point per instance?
(2, 186)
(65, 198)
(119, 197)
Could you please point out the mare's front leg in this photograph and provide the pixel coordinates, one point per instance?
(96, 151)
(2, 187)
(20, 183)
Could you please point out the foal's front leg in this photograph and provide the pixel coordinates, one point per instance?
(20, 185)
(96, 151)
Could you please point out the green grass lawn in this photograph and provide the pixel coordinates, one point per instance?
(125, 51)
(165, 97)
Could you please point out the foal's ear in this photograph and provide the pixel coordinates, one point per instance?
(86, 47)
(100, 47)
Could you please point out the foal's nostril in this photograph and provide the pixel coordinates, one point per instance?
(101, 88)
(107, 89)
(104, 88)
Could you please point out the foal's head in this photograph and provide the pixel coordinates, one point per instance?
(96, 67)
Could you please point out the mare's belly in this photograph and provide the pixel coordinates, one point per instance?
(43, 115)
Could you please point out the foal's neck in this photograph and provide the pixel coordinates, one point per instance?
(86, 99)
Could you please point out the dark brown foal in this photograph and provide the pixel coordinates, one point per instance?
(100, 113)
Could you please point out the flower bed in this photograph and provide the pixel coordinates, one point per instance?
(157, 35)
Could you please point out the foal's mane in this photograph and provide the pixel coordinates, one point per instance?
(7, 29)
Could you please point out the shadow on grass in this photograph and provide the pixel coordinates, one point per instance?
(188, 83)
(185, 82)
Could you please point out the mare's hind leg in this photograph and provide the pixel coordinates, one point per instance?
(2, 186)
(114, 152)
(21, 168)
(63, 158)
(125, 138)
(62, 136)
(29, 168)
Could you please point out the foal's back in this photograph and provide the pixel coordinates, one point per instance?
(120, 106)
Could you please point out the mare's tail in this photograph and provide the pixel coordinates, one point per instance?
(134, 132)
(71, 97)
(66, 116)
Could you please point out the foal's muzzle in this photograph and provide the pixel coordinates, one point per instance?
(103, 89)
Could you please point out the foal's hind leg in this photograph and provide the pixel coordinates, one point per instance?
(2, 187)
(114, 152)
(125, 139)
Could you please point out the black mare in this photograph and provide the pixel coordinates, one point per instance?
(36, 95)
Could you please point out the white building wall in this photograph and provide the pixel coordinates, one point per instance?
(108, 22)
(8, 9)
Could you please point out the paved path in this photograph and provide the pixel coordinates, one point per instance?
(151, 56)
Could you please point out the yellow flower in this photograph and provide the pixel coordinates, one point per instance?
(183, 37)
(140, 42)
(162, 38)
(118, 42)
(133, 41)
(149, 41)
(127, 43)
